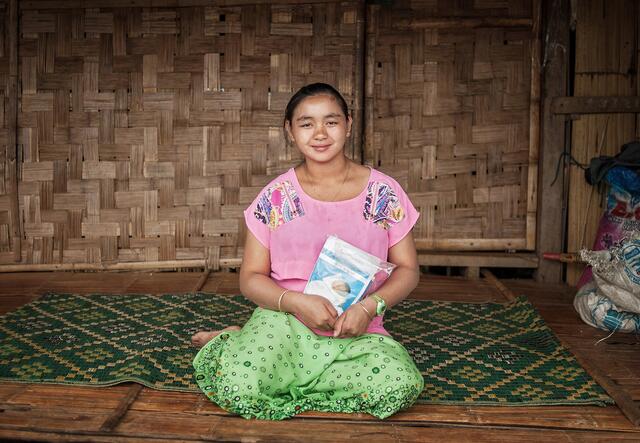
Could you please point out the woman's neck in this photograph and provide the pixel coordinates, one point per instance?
(319, 172)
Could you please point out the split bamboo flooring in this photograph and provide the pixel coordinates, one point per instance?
(70, 413)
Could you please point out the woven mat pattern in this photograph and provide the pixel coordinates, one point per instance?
(468, 353)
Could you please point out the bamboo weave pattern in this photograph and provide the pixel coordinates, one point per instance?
(146, 131)
(449, 117)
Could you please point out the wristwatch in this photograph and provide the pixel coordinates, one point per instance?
(381, 305)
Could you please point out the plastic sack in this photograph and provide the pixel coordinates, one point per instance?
(622, 214)
(599, 311)
(343, 273)
(616, 273)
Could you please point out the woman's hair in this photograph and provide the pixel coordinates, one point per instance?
(310, 91)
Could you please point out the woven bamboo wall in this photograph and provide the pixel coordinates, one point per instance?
(606, 65)
(145, 132)
(450, 108)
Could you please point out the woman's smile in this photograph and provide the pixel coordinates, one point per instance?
(319, 128)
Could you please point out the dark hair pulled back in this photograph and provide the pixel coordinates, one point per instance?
(310, 91)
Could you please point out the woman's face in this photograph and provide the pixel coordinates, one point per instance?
(319, 128)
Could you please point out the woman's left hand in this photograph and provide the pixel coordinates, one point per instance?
(352, 323)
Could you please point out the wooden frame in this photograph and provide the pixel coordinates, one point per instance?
(446, 148)
(10, 125)
(551, 215)
(596, 105)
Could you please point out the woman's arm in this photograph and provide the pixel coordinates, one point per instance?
(255, 282)
(257, 285)
(404, 279)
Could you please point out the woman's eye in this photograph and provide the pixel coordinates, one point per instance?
(332, 123)
(305, 125)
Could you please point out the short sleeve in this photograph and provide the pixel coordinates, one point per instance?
(406, 214)
(257, 218)
(275, 206)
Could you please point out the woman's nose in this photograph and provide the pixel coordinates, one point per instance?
(321, 131)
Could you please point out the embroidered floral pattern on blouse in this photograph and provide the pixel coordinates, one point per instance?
(278, 204)
(382, 206)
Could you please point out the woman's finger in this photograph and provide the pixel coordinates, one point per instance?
(331, 309)
(333, 315)
(337, 327)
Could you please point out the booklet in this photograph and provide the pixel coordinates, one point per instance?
(343, 273)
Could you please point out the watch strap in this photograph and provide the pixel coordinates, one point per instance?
(381, 305)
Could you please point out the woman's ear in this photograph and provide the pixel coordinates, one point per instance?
(288, 135)
(349, 123)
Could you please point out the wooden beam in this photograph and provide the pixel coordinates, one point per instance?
(471, 22)
(596, 105)
(87, 4)
(488, 275)
(471, 244)
(477, 259)
(126, 266)
(551, 206)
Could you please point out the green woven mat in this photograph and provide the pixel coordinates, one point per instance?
(468, 353)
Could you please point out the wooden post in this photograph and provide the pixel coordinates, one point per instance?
(369, 82)
(534, 129)
(11, 125)
(358, 105)
(550, 229)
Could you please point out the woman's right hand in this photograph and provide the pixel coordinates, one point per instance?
(314, 311)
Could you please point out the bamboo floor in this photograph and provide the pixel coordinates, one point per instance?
(130, 413)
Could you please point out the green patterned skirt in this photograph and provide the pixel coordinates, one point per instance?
(276, 367)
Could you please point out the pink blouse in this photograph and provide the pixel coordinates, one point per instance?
(294, 226)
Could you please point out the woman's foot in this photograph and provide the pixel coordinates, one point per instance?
(201, 338)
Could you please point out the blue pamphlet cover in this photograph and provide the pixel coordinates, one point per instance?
(343, 273)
